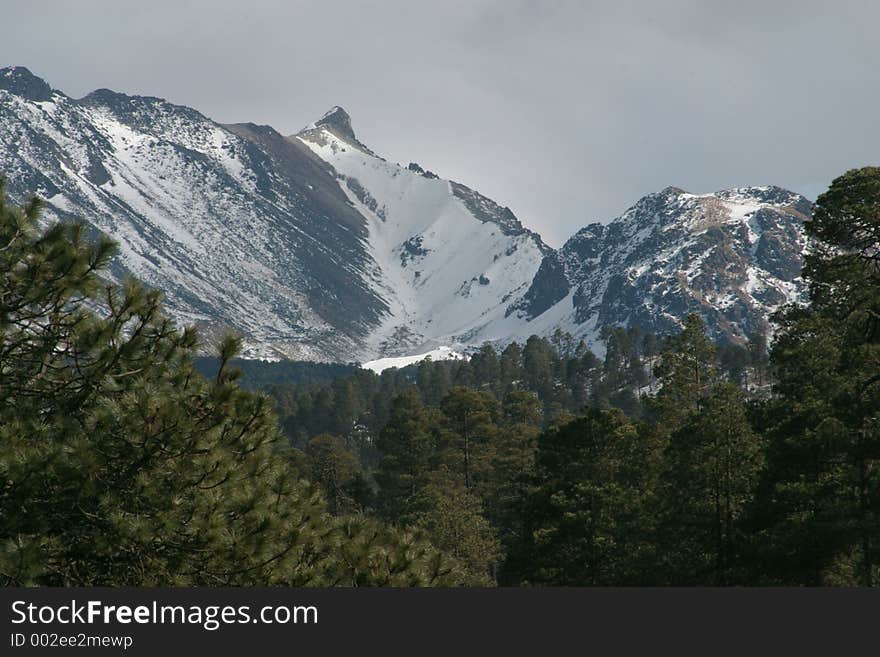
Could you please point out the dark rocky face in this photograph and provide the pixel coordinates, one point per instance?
(549, 287)
(338, 120)
(21, 82)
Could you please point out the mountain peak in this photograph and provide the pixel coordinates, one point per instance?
(21, 82)
(339, 121)
(671, 191)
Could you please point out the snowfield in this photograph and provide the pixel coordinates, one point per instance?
(441, 353)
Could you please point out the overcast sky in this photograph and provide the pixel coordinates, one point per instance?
(567, 112)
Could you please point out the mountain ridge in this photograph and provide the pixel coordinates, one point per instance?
(313, 246)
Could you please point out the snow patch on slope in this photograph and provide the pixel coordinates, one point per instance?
(441, 353)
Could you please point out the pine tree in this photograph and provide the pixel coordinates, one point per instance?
(110, 439)
(424, 371)
(538, 366)
(510, 475)
(470, 426)
(336, 469)
(823, 490)
(711, 475)
(686, 371)
(452, 519)
(486, 367)
(370, 553)
(801, 515)
(759, 357)
(586, 513)
(408, 444)
(512, 374)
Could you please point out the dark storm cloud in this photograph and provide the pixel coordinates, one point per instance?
(566, 111)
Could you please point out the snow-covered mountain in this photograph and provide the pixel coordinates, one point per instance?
(237, 225)
(242, 227)
(733, 257)
(313, 246)
(448, 260)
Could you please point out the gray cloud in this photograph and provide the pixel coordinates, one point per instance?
(566, 111)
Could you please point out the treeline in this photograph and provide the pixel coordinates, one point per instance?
(261, 374)
(670, 461)
(563, 375)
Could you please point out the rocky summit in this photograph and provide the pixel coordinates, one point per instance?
(733, 257)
